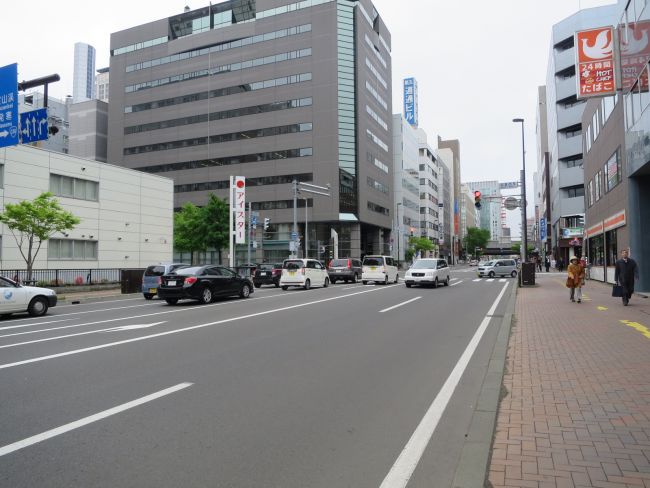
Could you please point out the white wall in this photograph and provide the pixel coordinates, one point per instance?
(132, 221)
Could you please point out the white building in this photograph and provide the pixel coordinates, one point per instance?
(102, 84)
(126, 215)
(430, 168)
(83, 81)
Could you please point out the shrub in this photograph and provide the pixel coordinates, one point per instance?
(79, 280)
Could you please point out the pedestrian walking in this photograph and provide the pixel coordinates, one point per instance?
(539, 263)
(560, 265)
(575, 275)
(626, 272)
(547, 264)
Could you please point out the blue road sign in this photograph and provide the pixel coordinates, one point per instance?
(254, 220)
(9, 105)
(33, 126)
(542, 229)
(294, 236)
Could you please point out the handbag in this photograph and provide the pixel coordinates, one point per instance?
(570, 283)
(617, 291)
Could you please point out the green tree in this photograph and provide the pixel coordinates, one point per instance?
(418, 244)
(516, 248)
(189, 230)
(476, 238)
(216, 222)
(33, 222)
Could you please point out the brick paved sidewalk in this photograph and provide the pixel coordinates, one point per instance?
(577, 408)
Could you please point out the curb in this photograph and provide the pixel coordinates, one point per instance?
(72, 300)
(473, 468)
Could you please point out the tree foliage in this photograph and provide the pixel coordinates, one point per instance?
(476, 238)
(418, 244)
(216, 223)
(33, 222)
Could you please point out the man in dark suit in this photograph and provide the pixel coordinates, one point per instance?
(626, 272)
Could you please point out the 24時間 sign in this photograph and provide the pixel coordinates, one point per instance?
(595, 64)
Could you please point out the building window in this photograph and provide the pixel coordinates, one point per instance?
(69, 187)
(377, 185)
(611, 249)
(590, 193)
(281, 204)
(597, 251)
(613, 171)
(259, 181)
(378, 208)
(71, 250)
(576, 191)
(598, 185)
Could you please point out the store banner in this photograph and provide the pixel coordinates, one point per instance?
(615, 221)
(239, 207)
(595, 65)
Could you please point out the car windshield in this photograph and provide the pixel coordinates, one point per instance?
(489, 263)
(187, 271)
(339, 263)
(154, 271)
(373, 262)
(424, 264)
(266, 267)
(293, 264)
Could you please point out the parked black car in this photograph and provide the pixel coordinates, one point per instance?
(346, 269)
(203, 283)
(268, 274)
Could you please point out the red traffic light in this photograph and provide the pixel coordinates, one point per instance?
(477, 195)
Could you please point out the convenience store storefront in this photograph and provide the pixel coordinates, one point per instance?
(603, 242)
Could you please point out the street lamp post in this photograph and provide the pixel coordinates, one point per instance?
(524, 226)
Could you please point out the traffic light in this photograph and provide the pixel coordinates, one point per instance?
(477, 199)
(267, 221)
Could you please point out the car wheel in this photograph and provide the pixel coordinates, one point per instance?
(37, 307)
(397, 278)
(245, 291)
(307, 284)
(408, 285)
(285, 288)
(326, 283)
(435, 282)
(148, 296)
(447, 281)
(364, 282)
(354, 278)
(513, 274)
(277, 284)
(491, 274)
(171, 301)
(258, 285)
(386, 280)
(206, 295)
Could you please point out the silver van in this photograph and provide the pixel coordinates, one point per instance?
(498, 267)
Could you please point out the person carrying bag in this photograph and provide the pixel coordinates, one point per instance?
(575, 277)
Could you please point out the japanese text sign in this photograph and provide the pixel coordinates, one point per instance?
(240, 209)
(595, 66)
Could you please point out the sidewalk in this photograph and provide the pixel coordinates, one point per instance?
(101, 295)
(575, 407)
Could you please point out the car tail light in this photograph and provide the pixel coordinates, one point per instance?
(190, 280)
(349, 264)
(302, 270)
(159, 280)
(276, 271)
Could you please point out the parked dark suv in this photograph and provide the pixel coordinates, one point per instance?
(268, 274)
(345, 269)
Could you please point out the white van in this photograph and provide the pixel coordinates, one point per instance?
(304, 273)
(380, 269)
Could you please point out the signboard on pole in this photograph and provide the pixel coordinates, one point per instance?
(508, 185)
(240, 209)
(33, 126)
(9, 105)
(595, 66)
(411, 101)
(542, 229)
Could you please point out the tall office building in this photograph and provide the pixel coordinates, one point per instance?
(83, 81)
(564, 113)
(273, 90)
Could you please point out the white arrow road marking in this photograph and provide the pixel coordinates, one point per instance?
(132, 327)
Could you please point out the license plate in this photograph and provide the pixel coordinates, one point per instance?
(171, 283)
(339, 270)
(292, 273)
(373, 268)
(153, 290)
(262, 274)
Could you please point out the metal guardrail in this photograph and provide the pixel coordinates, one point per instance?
(60, 277)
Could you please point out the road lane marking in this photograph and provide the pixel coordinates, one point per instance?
(454, 279)
(401, 472)
(399, 305)
(457, 283)
(29, 325)
(601, 308)
(639, 327)
(35, 439)
(133, 327)
(477, 279)
(502, 280)
(490, 280)
(185, 329)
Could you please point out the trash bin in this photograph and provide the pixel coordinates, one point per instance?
(527, 274)
(131, 280)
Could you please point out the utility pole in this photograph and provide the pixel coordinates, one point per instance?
(300, 187)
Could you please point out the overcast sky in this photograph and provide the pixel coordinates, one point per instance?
(478, 64)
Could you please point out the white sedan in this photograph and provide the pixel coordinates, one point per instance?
(427, 272)
(15, 298)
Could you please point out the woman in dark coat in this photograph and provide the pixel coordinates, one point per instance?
(626, 272)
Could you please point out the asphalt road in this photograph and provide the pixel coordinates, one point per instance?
(319, 388)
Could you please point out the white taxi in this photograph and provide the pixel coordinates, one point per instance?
(15, 298)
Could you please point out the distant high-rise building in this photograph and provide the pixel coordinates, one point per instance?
(490, 212)
(57, 119)
(101, 84)
(83, 82)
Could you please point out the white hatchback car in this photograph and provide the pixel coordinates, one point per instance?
(304, 273)
(380, 269)
(15, 298)
(428, 271)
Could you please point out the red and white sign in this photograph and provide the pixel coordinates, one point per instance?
(595, 230)
(595, 67)
(635, 52)
(615, 221)
(239, 207)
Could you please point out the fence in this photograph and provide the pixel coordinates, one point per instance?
(60, 277)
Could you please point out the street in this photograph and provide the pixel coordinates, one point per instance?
(318, 388)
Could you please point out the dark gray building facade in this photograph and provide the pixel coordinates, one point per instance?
(273, 90)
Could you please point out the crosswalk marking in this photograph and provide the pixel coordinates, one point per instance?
(490, 280)
(502, 280)
(477, 279)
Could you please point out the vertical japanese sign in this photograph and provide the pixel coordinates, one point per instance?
(635, 53)
(9, 105)
(239, 207)
(411, 101)
(595, 65)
